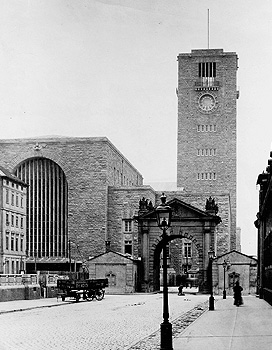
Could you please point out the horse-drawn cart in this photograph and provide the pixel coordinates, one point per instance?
(88, 289)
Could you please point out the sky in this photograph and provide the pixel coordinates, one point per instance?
(86, 68)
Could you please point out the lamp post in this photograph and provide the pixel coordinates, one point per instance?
(226, 265)
(211, 254)
(164, 214)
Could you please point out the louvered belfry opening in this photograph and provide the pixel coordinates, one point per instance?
(47, 202)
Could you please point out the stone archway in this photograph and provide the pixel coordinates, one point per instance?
(187, 222)
(174, 255)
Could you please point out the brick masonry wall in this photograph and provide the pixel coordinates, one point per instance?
(124, 204)
(88, 164)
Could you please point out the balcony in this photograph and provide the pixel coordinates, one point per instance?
(207, 83)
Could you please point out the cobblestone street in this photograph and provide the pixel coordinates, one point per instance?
(117, 322)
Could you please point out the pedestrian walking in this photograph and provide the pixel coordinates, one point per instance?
(180, 290)
(237, 294)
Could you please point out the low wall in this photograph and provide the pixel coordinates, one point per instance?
(19, 287)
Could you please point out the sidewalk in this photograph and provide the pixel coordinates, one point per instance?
(20, 305)
(248, 327)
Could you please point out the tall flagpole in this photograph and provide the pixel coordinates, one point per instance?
(208, 28)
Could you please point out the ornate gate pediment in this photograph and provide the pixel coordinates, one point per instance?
(182, 210)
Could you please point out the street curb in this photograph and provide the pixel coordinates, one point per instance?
(33, 308)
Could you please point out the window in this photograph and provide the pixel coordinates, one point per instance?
(206, 152)
(7, 242)
(187, 250)
(206, 176)
(206, 128)
(7, 266)
(111, 279)
(128, 225)
(12, 242)
(12, 199)
(22, 222)
(16, 244)
(22, 202)
(128, 247)
(207, 69)
(22, 244)
(7, 196)
(17, 221)
(7, 182)
(12, 220)
(7, 219)
(17, 201)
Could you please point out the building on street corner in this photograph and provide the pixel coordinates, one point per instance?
(13, 222)
(264, 226)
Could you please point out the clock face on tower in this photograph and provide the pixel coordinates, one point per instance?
(206, 102)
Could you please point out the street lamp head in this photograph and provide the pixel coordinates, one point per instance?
(164, 214)
(211, 254)
(226, 264)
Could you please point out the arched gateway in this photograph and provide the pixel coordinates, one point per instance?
(187, 222)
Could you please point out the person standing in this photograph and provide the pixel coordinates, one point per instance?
(237, 291)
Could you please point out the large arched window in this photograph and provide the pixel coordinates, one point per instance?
(46, 208)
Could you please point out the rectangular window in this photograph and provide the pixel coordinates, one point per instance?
(12, 242)
(206, 128)
(12, 220)
(22, 222)
(7, 242)
(7, 219)
(7, 267)
(206, 176)
(12, 199)
(7, 196)
(17, 201)
(22, 244)
(128, 247)
(207, 69)
(22, 202)
(17, 221)
(187, 250)
(17, 244)
(128, 225)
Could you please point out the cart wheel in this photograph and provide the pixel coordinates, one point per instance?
(99, 295)
(63, 298)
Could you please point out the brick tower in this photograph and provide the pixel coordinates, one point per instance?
(207, 94)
